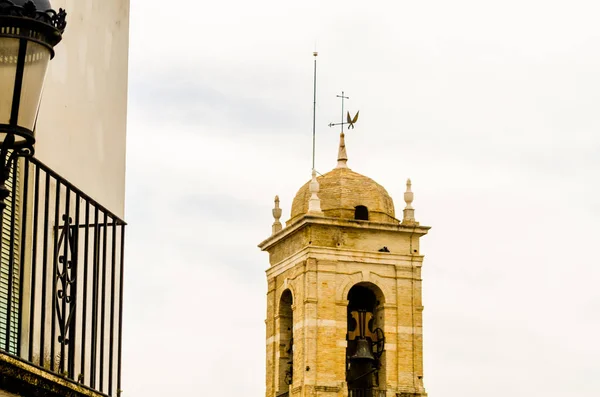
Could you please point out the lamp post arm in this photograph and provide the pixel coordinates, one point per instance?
(5, 170)
(6, 161)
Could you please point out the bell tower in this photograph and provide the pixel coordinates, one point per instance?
(344, 311)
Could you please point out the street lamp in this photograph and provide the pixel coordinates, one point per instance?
(29, 30)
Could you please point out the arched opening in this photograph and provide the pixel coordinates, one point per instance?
(286, 342)
(361, 213)
(365, 371)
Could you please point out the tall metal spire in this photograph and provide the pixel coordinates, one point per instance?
(315, 53)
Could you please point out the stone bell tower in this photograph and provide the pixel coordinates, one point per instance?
(344, 311)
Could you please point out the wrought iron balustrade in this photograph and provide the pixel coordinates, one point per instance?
(366, 392)
(61, 279)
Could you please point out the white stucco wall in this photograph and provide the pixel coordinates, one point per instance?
(82, 120)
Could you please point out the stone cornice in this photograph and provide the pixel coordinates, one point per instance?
(345, 255)
(339, 222)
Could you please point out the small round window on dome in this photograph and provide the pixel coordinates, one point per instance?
(361, 213)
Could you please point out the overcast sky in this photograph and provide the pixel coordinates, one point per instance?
(491, 108)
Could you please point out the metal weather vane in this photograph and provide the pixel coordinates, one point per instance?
(349, 120)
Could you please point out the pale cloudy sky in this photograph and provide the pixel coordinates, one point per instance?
(493, 110)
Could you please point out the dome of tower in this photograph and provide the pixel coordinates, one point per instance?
(346, 194)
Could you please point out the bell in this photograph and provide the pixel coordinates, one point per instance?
(363, 351)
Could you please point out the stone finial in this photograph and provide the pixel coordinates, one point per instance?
(409, 211)
(409, 196)
(342, 155)
(314, 204)
(276, 214)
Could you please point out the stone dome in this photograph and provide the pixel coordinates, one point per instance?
(341, 191)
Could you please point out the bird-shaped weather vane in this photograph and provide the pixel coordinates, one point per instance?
(349, 120)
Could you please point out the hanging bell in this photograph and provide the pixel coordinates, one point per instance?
(363, 351)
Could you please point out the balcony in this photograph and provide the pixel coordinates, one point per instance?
(61, 288)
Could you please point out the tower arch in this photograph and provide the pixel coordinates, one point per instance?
(365, 361)
(285, 337)
(364, 277)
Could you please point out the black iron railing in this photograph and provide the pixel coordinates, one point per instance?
(61, 290)
(366, 393)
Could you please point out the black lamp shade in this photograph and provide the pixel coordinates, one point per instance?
(39, 4)
(27, 38)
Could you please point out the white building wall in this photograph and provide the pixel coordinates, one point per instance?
(82, 121)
